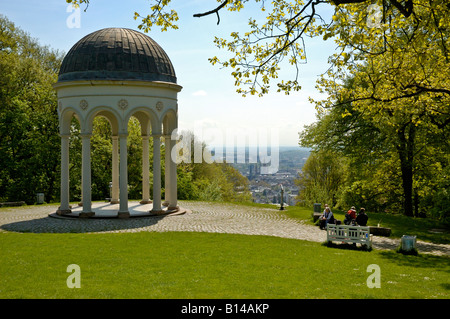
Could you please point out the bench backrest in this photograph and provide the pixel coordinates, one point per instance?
(347, 231)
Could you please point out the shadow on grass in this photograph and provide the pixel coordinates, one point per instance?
(445, 286)
(76, 225)
(346, 246)
(419, 261)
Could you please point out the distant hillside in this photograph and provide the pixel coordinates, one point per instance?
(291, 159)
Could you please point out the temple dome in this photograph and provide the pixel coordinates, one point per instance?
(117, 54)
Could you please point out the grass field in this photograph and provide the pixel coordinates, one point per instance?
(177, 265)
(201, 265)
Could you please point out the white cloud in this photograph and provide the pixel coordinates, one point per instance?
(207, 123)
(199, 93)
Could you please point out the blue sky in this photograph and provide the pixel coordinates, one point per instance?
(208, 98)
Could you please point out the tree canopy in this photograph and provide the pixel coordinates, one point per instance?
(389, 92)
(357, 26)
(29, 141)
(388, 109)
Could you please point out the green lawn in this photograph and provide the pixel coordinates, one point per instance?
(203, 265)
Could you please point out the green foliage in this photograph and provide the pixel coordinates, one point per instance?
(134, 149)
(29, 143)
(274, 38)
(75, 161)
(437, 202)
(322, 177)
(387, 109)
(209, 181)
(186, 189)
(376, 161)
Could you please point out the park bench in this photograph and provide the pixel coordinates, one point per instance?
(349, 234)
(10, 204)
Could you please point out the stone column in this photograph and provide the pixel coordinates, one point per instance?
(80, 203)
(156, 174)
(167, 144)
(145, 171)
(64, 208)
(123, 178)
(172, 180)
(115, 170)
(86, 175)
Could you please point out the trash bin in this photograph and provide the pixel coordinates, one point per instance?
(408, 243)
(40, 198)
(317, 208)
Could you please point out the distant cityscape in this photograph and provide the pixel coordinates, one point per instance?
(266, 188)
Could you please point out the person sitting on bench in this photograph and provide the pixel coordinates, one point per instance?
(350, 216)
(326, 218)
(361, 219)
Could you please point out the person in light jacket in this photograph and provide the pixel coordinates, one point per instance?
(326, 218)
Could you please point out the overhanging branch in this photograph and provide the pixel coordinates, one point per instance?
(216, 11)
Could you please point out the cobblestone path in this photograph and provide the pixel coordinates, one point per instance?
(204, 217)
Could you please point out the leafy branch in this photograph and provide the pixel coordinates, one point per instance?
(216, 11)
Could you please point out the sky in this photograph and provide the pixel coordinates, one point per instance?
(208, 99)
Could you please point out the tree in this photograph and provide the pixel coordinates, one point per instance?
(321, 178)
(401, 82)
(207, 180)
(388, 143)
(259, 52)
(29, 141)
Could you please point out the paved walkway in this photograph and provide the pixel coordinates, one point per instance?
(204, 217)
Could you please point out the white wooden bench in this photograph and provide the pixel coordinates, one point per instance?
(349, 234)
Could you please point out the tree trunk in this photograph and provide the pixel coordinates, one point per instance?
(416, 203)
(405, 149)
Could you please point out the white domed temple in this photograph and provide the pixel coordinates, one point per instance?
(118, 73)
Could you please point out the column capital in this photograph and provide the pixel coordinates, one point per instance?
(115, 137)
(64, 135)
(123, 135)
(157, 135)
